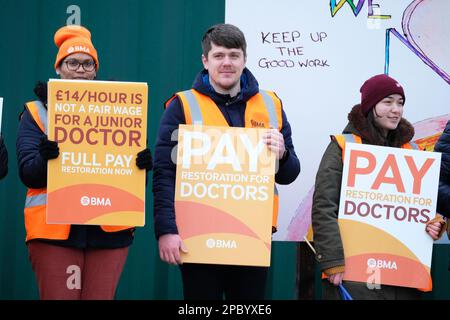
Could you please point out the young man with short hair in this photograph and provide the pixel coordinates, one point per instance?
(223, 89)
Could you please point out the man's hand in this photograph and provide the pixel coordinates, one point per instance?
(434, 229)
(275, 142)
(169, 248)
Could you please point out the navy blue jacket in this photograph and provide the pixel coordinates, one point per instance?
(233, 109)
(33, 174)
(3, 159)
(443, 146)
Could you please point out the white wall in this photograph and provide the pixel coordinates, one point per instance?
(318, 99)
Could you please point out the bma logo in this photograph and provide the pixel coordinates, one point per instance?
(381, 264)
(224, 244)
(95, 202)
(257, 124)
(78, 49)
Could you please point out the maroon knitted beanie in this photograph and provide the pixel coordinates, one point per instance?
(376, 89)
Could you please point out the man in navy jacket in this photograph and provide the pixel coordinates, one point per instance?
(230, 85)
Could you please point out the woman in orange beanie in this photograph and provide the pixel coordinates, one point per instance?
(70, 261)
(376, 120)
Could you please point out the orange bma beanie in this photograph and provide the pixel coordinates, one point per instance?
(73, 39)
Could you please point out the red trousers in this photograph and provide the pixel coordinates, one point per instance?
(76, 274)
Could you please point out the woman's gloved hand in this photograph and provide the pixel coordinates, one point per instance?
(144, 159)
(48, 149)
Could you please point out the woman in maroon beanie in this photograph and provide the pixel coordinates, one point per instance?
(377, 120)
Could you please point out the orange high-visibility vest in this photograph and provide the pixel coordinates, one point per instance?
(36, 200)
(263, 110)
(341, 140)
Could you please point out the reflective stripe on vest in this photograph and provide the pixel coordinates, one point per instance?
(36, 200)
(39, 200)
(411, 145)
(202, 110)
(39, 114)
(194, 110)
(263, 110)
(342, 139)
(270, 106)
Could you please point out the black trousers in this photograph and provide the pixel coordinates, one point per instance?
(216, 282)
